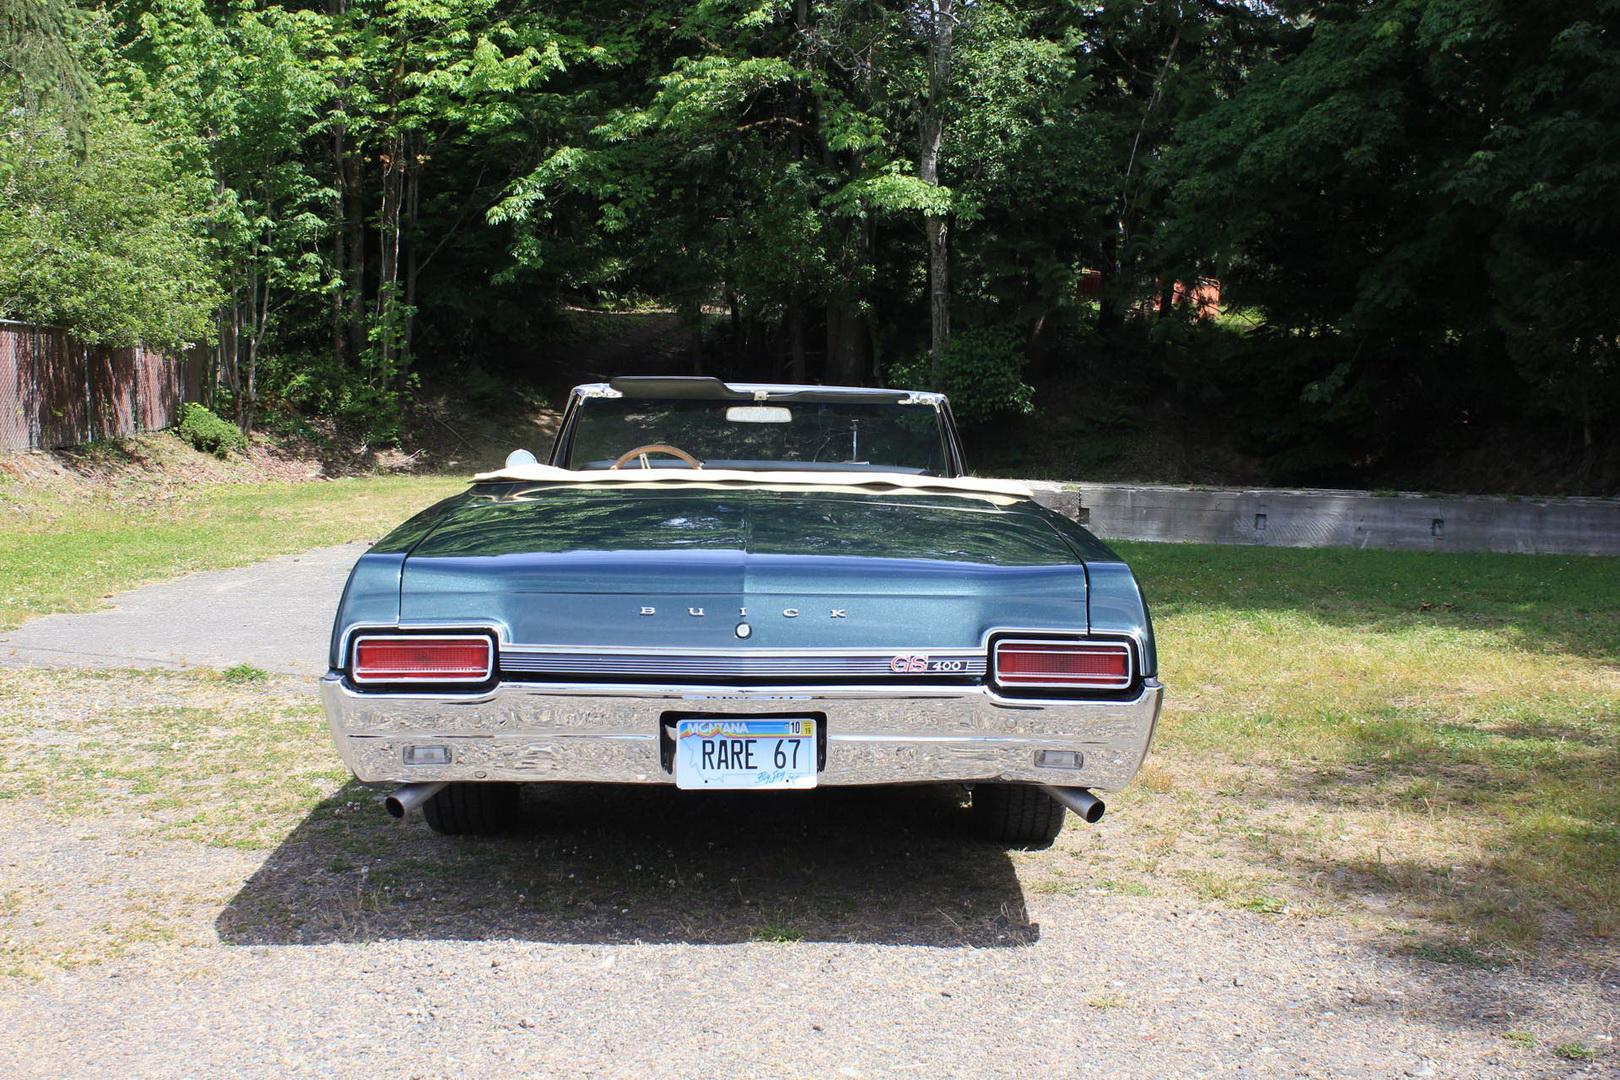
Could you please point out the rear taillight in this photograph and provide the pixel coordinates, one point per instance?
(422, 659)
(1067, 665)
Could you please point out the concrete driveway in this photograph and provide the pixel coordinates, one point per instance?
(275, 615)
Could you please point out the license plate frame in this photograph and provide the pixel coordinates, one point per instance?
(746, 753)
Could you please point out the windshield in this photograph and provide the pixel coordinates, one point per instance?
(858, 435)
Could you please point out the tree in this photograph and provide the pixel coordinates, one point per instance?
(1424, 193)
(238, 101)
(38, 59)
(104, 238)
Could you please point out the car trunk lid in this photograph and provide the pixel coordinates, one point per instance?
(685, 567)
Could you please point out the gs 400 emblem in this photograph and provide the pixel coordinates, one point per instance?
(913, 664)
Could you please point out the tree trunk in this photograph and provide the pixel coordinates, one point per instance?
(1035, 342)
(229, 344)
(939, 285)
(740, 334)
(341, 197)
(251, 327)
(942, 29)
(847, 343)
(1124, 208)
(354, 278)
(413, 197)
(339, 253)
(388, 300)
(695, 330)
(795, 329)
(1108, 315)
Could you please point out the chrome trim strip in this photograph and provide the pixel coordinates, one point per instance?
(731, 665)
(659, 651)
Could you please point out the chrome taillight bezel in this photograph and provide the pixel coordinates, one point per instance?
(1101, 685)
(392, 679)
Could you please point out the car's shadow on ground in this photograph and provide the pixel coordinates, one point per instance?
(622, 864)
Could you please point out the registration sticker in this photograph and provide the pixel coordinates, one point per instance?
(725, 754)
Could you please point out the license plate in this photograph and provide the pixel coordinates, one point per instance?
(724, 754)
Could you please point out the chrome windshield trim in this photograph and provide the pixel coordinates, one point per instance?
(897, 395)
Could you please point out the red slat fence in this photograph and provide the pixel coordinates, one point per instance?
(56, 391)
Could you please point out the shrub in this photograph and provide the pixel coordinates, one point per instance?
(316, 385)
(981, 370)
(207, 432)
(488, 392)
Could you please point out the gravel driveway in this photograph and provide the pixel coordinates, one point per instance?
(650, 933)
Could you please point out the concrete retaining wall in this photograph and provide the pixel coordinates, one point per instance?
(1406, 522)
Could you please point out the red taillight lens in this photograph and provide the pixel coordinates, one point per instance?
(1092, 665)
(422, 659)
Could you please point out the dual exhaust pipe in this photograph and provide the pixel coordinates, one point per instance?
(1080, 800)
(409, 796)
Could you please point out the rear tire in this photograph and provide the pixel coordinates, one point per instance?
(464, 809)
(1018, 815)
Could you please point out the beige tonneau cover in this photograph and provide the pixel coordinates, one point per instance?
(891, 482)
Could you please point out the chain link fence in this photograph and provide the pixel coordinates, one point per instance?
(55, 391)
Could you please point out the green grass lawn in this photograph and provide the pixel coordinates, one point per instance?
(67, 548)
(1443, 730)
(1426, 743)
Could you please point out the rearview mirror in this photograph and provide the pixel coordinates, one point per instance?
(759, 414)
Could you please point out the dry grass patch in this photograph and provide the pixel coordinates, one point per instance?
(194, 755)
(1415, 737)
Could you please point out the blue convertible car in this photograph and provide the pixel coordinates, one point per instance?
(726, 585)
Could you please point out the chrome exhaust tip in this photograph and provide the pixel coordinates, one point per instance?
(408, 797)
(1080, 800)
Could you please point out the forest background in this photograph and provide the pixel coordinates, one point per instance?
(1411, 208)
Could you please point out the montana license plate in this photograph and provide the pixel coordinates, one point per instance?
(725, 754)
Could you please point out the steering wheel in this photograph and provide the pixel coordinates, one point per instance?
(656, 448)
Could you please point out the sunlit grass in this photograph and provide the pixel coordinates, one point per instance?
(1439, 731)
(68, 549)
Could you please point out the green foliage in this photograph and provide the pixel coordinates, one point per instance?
(318, 385)
(1574, 1051)
(1417, 199)
(979, 369)
(38, 59)
(107, 242)
(1421, 200)
(486, 391)
(207, 432)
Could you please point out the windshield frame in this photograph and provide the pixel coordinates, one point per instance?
(950, 442)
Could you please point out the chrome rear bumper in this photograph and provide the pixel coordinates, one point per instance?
(524, 731)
